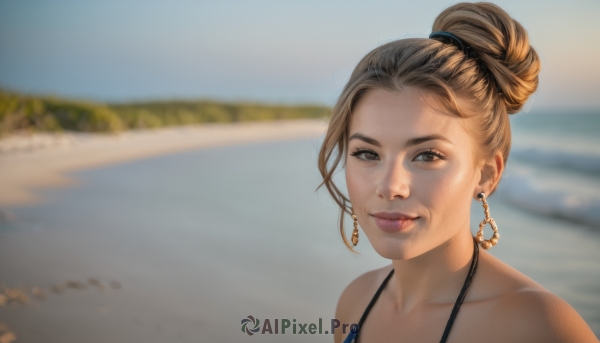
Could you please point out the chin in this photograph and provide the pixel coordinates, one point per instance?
(397, 249)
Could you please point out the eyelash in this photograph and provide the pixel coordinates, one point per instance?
(429, 152)
(358, 152)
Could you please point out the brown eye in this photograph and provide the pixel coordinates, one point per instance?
(365, 155)
(429, 156)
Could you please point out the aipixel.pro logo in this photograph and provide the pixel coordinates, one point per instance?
(252, 325)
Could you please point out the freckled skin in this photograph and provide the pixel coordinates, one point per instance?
(403, 179)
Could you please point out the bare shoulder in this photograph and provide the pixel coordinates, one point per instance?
(357, 295)
(524, 311)
(544, 317)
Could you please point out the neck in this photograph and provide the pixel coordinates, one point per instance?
(436, 276)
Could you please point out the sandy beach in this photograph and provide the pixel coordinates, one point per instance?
(179, 234)
(93, 279)
(40, 160)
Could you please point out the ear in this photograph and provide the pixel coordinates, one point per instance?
(490, 175)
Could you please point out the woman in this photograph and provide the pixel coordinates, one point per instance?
(422, 127)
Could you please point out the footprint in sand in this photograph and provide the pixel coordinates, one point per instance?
(6, 336)
(15, 295)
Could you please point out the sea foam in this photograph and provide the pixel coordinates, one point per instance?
(520, 190)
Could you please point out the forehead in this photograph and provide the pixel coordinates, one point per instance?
(394, 116)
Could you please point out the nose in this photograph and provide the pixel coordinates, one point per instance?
(394, 180)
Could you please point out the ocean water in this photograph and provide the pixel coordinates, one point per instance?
(554, 167)
(201, 240)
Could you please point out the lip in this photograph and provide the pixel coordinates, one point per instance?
(394, 221)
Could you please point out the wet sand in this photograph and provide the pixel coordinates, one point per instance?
(84, 269)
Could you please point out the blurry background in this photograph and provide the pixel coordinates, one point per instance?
(181, 247)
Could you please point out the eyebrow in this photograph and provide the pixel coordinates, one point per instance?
(410, 142)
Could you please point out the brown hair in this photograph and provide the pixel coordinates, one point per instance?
(494, 85)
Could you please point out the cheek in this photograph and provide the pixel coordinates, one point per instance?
(446, 192)
(358, 185)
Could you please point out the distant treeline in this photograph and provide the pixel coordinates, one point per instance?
(23, 112)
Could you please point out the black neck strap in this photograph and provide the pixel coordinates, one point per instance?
(459, 300)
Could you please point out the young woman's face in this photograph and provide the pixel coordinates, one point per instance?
(406, 159)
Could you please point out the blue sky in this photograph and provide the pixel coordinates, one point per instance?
(273, 51)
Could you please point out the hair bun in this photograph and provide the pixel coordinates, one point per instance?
(502, 44)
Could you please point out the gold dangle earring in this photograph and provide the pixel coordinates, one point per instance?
(486, 243)
(355, 231)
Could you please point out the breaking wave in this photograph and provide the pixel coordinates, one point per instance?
(521, 191)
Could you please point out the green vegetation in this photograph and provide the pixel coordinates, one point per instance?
(23, 112)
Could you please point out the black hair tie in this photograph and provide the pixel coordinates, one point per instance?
(448, 38)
